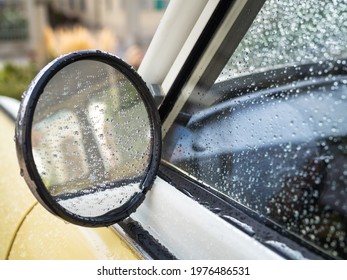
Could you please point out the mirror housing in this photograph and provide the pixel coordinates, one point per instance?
(88, 138)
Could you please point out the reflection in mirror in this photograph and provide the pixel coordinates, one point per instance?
(91, 138)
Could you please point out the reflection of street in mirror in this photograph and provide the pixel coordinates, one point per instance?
(94, 142)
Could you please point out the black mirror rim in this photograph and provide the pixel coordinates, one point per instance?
(24, 145)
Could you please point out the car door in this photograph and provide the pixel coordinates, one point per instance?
(252, 103)
(254, 135)
(164, 211)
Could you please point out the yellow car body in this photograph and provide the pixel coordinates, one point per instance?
(28, 231)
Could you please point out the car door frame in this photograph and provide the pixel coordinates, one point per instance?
(180, 223)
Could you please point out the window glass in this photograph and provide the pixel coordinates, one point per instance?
(271, 133)
(83, 5)
(276, 38)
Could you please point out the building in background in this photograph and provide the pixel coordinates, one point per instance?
(21, 29)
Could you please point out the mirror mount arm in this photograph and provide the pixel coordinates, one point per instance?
(158, 94)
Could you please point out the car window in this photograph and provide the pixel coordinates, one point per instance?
(271, 132)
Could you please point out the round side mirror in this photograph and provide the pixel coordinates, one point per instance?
(88, 138)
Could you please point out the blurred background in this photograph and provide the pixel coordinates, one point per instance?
(33, 32)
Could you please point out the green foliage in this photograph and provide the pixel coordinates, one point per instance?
(15, 79)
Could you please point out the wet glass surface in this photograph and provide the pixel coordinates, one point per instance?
(271, 133)
(91, 138)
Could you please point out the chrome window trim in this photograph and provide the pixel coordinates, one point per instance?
(172, 35)
(204, 62)
(189, 44)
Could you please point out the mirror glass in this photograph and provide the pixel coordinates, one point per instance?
(91, 138)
